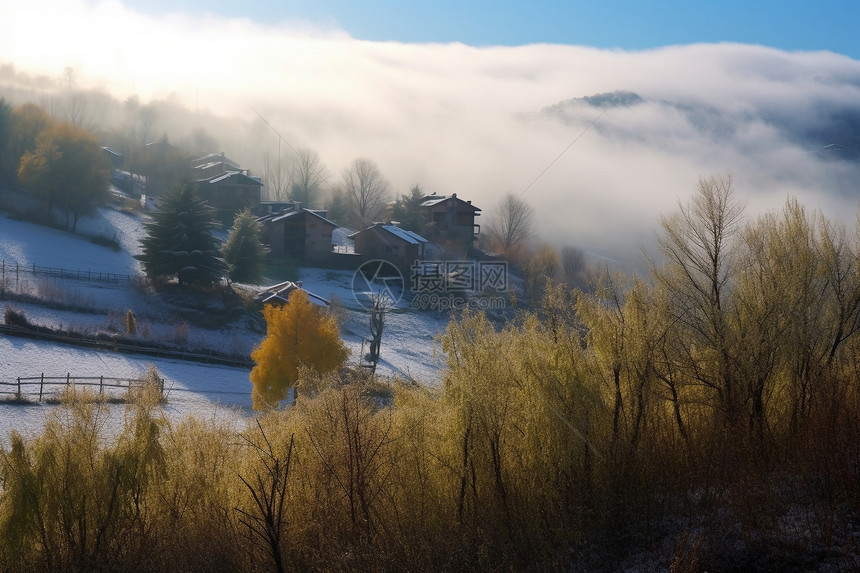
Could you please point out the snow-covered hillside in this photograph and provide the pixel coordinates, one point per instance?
(407, 347)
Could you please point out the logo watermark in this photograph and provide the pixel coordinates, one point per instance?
(458, 276)
(376, 283)
(452, 285)
(435, 285)
(443, 302)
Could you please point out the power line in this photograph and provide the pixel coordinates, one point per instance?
(280, 137)
(563, 151)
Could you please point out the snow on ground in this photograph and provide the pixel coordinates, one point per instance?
(29, 244)
(190, 388)
(408, 338)
(408, 344)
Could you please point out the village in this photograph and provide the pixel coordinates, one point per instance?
(295, 232)
(435, 251)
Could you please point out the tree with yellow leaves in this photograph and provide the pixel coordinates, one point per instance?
(299, 334)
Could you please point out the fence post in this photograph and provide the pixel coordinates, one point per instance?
(68, 375)
(41, 386)
(101, 384)
(19, 387)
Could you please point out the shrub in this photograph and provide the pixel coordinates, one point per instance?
(130, 323)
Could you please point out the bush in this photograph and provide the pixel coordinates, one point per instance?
(105, 241)
(12, 317)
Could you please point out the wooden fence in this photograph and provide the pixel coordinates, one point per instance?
(26, 386)
(10, 271)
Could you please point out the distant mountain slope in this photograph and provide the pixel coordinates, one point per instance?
(828, 128)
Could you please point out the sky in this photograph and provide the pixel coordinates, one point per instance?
(484, 99)
(622, 24)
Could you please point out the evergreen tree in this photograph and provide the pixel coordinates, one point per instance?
(179, 241)
(243, 252)
(407, 210)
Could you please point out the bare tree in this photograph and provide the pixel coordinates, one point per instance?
(278, 180)
(265, 519)
(307, 178)
(51, 105)
(697, 244)
(76, 109)
(366, 190)
(572, 262)
(511, 224)
(381, 304)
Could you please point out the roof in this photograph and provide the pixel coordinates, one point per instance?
(274, 217)
(246, 179)
(399, 232)
(431, 202)
(408, 236)
(205, 166)
(211, 159)
(280, 293)
(437, 201)
(112, 152)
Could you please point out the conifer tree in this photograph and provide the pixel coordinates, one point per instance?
(243, 252)
(180, 242)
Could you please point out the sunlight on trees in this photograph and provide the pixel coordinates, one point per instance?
(718, 393)
(26, 122)
(299, 333)
(697, 243)
(67, 169)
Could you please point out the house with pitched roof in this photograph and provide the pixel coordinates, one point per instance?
(299, 234)
(390, 243)
(450, 219)
(212, 164)
(230, 192)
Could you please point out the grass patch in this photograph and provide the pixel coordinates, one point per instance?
(18, 400)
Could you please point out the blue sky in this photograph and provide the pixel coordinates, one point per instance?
(627, 24)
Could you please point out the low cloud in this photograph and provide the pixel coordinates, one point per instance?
(485, 121)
